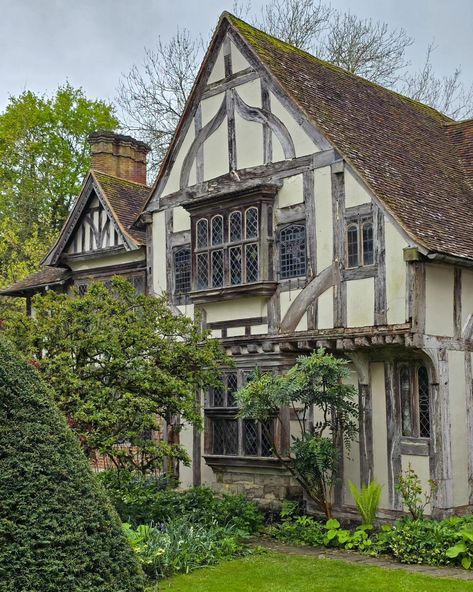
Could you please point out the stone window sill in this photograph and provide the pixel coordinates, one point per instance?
(270, 462)
(263, 288)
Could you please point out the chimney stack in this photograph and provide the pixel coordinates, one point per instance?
(118, 155)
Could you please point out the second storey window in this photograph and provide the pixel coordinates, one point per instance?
(182, 272)
(359, 242)
(227, 249)
(292, 251)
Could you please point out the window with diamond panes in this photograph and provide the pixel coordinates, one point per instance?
(292, 251)
(236, 262)
(414, 397)
(224, 395)
(359, 242)
(182, 271)
(225, 437)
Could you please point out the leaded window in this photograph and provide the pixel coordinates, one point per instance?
(182, 271)
(292, 251)
(414, 397)
(229, 434)
(82, 289)
(227, 249)
(359, 239)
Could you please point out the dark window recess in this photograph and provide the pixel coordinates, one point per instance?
(414, 396)
(359, 238)
(251, 223)
(292, 250)
(217, 268)
(182, 271)
(82, 289)
(223, 396)
(235, 227)
(202, 271)
(225, 436)
(217, 230)
(139, 283)
(202, 233)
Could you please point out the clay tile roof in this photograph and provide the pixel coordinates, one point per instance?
(126, 198)
(47, 276)
(403, 150)
(461, 133)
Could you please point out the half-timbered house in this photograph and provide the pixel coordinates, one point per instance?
(98, 240)
(300, 206)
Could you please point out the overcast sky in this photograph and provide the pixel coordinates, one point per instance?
(43, 43)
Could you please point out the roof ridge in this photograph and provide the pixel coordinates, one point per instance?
(303, 53)
(121, 179)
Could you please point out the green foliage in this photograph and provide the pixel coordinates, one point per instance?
(44, 156)
(313, 386)
(367, 500)
(181, 546)
(462, 551)
(58, 530)
(413, 496)
(336, 536)
(121, 364)
(299, 530)
(139, 501)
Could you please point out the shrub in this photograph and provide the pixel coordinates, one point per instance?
(58, 531)
(143, 501)
(299, 530)
(181, 546)
(413, 496)
(367, 500)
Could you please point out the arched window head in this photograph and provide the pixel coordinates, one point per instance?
(217, 230)
(202, 233)
(235, 224)
(251, 223)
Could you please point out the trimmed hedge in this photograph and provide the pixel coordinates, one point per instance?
(58, 531)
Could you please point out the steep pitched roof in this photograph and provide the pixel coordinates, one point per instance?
(461, 133)
(401, 148)
(122, 198)
(48, 276)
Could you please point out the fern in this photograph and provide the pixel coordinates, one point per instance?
(367, 500)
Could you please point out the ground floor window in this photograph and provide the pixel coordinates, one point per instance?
(229, 435)
(414, 397)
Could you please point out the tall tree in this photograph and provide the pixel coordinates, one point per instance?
(121, 364)
(153, 94)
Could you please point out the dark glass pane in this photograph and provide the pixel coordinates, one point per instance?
(217, 230)
(231, 444)
(406, 400)
(218, 436)
(217, 269)
(251, 260)
(293, 251)
(218, 396)
(368, 246)
(202, 271)
(251, 223)
(235, 223)
(202, 233)
(250, 437)
(82, 289)
(424, 402)
(182, 271)
(232, 387)
(225, 436)
(235, 266)
(352, 246)
(139, 283)
(267, 438)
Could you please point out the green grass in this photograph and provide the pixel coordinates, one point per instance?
(275, 572)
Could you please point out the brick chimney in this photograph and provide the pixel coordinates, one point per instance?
(118, 155)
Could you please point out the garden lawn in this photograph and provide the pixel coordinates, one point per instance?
(275, 572)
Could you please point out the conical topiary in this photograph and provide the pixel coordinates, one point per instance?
(58, 531)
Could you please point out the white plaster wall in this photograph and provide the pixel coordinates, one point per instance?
(467, 295)
(360, 302)
(210, 106)
(286, 299)
(323, 217)
(235, 331)
(302, 143)
(172, 183)
(421, 466)
(159, 253)
(457, 397)
(250, 92)
(439, 300)
(218, 71)
(355, 193)
(259, 329)
(380, 436)
(187, 310)
(278, 152)
(181, 219)
(115, 260)
(238, 61)
(216, 153)
(325, 310)
(302, 325)
(292, 192)
(186, 473)
(351, 468)
(249, 143)
(230, 310)
(395, 274)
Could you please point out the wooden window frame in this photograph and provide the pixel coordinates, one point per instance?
(359, 221)
(281, 230)
(412, 369)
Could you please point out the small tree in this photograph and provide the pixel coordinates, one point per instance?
(326, 413)
(121, 365)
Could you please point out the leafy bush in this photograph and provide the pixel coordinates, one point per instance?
(414, 498)
(145, 500)
(299, 530)
(336, 536)
(58, 531)
(367, 500)
(181, 546)
(462, 551)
